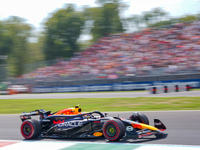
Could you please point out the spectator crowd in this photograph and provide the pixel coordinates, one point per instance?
(165, 50)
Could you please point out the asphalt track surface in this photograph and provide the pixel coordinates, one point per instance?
(100, 95)
(183, 127)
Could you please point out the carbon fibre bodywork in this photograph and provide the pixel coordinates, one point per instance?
(87, 125)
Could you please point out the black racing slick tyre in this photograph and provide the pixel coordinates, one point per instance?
(139, 117)
(31, 129)
(113, 130)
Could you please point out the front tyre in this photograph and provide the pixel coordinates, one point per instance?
(139, 117)
(31, 129)
(113, 130)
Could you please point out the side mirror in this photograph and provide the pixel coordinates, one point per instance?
(106, 114)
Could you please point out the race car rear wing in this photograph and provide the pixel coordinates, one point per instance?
(40, 112)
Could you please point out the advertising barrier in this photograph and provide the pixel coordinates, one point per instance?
(164, 86)
(168, 88)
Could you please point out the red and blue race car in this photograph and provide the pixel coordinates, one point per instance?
(73, 123)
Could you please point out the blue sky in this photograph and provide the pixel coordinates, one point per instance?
(36, 11)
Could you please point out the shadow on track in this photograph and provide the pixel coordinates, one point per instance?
(124, 140)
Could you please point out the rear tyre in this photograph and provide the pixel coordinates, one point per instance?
(113, 130)
(31, 129)
(139, 117)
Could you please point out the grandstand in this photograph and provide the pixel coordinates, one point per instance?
(153, 52)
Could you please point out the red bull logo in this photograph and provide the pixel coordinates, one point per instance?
(137, 126)
(58, 122)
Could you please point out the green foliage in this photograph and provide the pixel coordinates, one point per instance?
(5, 40)
(158, 14)
(35, 53)
(62, 32)
(105, 18)
(136, 20)
(163, 23)
(15, 35)
(155, 17)
(171, 21)
(188, 18)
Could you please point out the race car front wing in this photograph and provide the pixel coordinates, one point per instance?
(158, 130)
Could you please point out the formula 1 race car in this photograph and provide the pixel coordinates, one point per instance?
(72, 123)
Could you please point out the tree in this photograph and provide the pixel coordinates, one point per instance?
(163, 24)
(159, 14)
(106, 18)
(62, 32)
(15, 37)
(5, 40)
(35, 49)
(153, 16)
(147, 17)
(188, 18)
(136, 20)
(171, 21)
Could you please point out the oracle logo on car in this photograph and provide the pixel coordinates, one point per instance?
(71, 124)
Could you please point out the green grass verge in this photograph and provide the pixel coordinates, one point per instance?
(17, 106)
